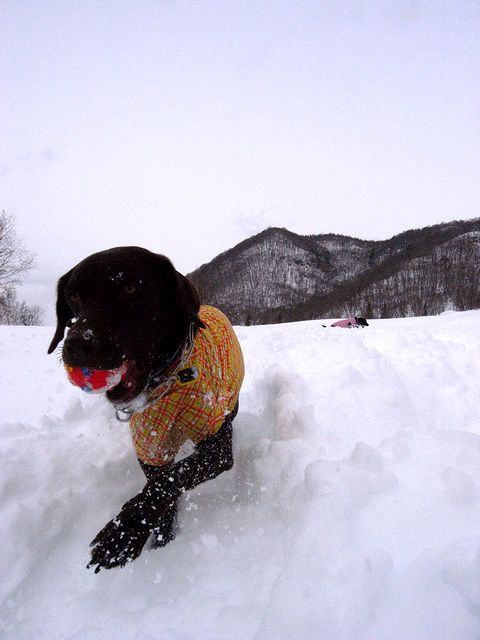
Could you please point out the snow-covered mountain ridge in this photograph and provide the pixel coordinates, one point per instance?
(278, 276)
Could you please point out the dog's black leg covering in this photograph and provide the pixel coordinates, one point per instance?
(211, 457)
(166, 530)
(124, 537)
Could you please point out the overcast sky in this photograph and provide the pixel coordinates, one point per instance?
(185, 127)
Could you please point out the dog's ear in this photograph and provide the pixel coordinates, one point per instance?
(64, 313)
(189, 300)
(185, 294)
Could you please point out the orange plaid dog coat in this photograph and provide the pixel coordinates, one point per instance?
(193, 406)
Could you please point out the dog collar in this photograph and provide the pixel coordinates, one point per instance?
(160, 382)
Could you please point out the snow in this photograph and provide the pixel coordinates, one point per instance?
(352, 511)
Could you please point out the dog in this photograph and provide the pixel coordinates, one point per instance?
(127, 309)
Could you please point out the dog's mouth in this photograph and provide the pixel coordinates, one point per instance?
(130, 385)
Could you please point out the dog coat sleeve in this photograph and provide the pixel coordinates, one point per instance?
(196, 404)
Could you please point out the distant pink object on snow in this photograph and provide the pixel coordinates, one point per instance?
(348, 322)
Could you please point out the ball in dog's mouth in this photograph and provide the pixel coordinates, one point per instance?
(96, 380)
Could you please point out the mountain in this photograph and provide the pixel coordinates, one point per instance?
(280, 276)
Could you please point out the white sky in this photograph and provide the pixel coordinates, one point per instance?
(185, 127)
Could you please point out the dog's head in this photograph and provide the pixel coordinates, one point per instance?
(123, 305)
(361, 321)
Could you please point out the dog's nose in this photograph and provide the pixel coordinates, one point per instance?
(78, 346)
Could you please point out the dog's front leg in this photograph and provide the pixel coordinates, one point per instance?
(211, 457)
(124, 537)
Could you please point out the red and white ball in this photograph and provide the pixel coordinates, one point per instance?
(95, 380)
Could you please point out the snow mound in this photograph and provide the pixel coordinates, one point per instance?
(352, 511)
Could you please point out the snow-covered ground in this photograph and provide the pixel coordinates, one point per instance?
(352, 512)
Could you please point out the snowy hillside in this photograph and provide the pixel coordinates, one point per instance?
(280, 276)
(352, 512)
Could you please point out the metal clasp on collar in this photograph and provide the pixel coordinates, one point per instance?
(124, 415)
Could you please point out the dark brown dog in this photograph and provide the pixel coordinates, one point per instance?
(128, 305)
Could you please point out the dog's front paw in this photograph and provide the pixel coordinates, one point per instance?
(123, 538)
(117, 543)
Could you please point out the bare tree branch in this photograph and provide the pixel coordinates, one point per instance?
(15, 263)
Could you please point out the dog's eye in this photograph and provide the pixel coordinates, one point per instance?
(130, 288)
(74, 297)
